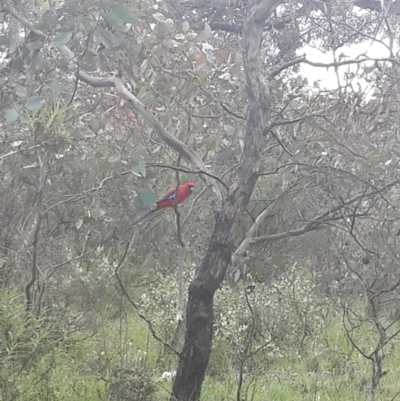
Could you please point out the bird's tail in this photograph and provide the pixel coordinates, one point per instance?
(147, 214)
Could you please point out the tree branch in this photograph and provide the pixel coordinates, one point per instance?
(131, 301)
(303, 60)
(318, 220)
(186, 170)
(277, 25)
(250, 234)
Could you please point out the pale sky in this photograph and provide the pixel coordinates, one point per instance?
(327, 76)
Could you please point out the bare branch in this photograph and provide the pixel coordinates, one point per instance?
(277, 25)
(186, 170)
(18, 151)
(131, 301)
(226, 27)
(250, 234)
(231, 112)
(322, 218)
(303, 60)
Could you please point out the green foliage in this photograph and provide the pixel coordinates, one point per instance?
(120, 360)
(129, 384)
(35, 363)
(277, 315)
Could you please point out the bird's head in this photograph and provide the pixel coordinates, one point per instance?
(189, 186)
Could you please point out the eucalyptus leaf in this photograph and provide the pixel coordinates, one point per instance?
(142, 93)
(318, 146)
(338, 134)
(62, 39)
(56, 87)
(13, 46)
(27, 180)
(78, 224)
(124, 14)
(74, 43)
(102, 61)
(311, 122)
(105, 37)
(91, 66)
(114, 159)
(142, 167)
(118, 38)
(36, 45)
(135, 155)
(17, 66)
(11, 116)
(147, 197)
(114, 22)
(34, 103)
(4, 40)
(21, 91)
(236, 276)
(49, 19)
(150, 175)
(117, 168)
(37, 63)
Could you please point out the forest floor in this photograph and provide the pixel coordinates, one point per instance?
(122, 359)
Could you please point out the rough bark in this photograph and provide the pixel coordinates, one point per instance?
(195, 355)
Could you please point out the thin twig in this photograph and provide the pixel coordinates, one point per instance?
(143, 317)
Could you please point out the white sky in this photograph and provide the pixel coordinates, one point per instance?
(327, 76)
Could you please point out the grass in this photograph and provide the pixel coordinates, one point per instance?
(82, 366)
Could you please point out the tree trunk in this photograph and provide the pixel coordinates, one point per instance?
(196, 352)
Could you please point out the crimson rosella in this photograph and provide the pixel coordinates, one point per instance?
(168, 200)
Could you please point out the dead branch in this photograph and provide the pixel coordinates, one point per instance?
(317, 221)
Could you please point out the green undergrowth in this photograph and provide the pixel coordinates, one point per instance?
(121, 360)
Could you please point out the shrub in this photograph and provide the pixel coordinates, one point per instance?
(35, 363)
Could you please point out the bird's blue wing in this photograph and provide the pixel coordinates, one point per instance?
(169, 195)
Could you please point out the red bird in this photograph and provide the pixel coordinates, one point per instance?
(168, 200)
